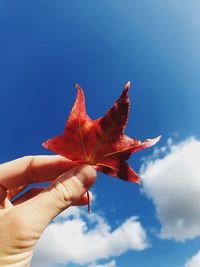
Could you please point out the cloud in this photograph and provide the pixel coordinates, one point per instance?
(194, 261)
(108, 264)
(77, 237)
(173, 183)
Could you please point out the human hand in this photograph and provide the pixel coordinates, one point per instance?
(22, 222)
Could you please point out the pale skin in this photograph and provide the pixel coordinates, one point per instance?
(23, 222)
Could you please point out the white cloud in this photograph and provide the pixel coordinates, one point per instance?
(173, 183)
(108, 264)
(81, 238)
(194, 261)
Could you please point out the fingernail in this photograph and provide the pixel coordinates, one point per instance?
(86, 175)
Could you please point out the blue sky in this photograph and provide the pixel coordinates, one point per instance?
(47, 46)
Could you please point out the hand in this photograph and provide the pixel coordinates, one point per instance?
(22, 222)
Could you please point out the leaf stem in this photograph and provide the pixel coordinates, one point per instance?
(89, 208)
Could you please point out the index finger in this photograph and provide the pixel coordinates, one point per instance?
(33, 169)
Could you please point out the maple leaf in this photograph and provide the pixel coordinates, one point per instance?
(101, 142)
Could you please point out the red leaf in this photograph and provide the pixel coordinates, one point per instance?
(100, 142)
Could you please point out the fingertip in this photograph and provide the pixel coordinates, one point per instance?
(84, 199)
(86, 174)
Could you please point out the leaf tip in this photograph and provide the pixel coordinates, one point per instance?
(76, 85)
(128, 85)
(153, 141)
(79, 88)
(156, 139)
(44, 144)
(159, 137)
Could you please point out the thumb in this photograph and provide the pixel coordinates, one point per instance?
(65, 191)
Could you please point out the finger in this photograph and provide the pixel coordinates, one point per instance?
(5, 204)
(84, 200)
(65, 191)
(31, 169)
(35, 191)
(28, 195)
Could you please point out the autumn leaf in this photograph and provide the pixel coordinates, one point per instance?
(101, 142)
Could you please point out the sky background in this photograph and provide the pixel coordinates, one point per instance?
(45, 47)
